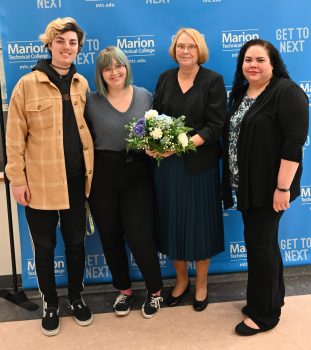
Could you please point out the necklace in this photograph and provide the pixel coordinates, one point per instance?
(53, 66)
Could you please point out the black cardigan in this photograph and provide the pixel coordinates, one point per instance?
(274, 128)
(205, 113)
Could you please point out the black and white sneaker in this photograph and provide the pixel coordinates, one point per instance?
(82, 314)
(151, 305)
(122, 305)
(50, 321)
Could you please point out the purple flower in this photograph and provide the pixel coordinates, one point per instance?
(139, 128)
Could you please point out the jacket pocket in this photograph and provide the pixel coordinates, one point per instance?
(39, 114)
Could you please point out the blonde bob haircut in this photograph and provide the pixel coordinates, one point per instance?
(60, 26)
(105, 60)
(197, 37)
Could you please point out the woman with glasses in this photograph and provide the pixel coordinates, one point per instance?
(188, 205)
(121, 199)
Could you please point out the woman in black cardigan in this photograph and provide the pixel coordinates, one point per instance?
(189, 222)
(264, 134)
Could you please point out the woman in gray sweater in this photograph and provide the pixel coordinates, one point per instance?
(121, 198)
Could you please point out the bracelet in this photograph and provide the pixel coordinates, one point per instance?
(283, 189)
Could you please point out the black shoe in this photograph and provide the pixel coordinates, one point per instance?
(174, 301)
(200, 305)
(50, 321)
(122, 304)
(244, 310)
(82, 314)
(244, 330)
(151, 305)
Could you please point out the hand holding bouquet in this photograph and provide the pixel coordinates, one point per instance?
(159, 134)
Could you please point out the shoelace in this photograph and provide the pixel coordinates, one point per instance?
(120, 299)
(155, 301)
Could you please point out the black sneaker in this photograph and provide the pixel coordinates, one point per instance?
(122, 305)
(151, 305)
(50, 321)
(81, 312)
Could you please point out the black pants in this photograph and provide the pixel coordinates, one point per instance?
(265, 288)
(121, 203)
(42, 226)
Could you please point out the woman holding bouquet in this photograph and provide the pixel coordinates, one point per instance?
(188, 204)
(121, 198)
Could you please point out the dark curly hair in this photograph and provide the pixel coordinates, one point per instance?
(239, 85)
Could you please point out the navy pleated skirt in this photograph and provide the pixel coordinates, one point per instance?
(189, 221)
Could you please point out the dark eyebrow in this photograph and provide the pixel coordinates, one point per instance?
(62, 38)
(255, 57)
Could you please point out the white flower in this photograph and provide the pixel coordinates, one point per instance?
(183, 139)
(156, 133)
(165, 118)
(152, 113)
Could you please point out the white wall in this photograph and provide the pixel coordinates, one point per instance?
(5, 253)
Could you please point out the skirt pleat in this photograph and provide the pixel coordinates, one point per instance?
(189, 222)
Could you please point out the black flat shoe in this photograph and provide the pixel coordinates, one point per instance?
(244, 310)
(200, 305)
(244, 330)
(174, 301)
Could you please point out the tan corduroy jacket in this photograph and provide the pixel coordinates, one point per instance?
(34, 139)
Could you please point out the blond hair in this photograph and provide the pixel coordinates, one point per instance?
(60, 26)
(197, 37)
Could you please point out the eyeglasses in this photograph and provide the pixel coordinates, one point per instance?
(182, 47)
(117, 68)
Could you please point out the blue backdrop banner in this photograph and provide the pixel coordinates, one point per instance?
(144, 29)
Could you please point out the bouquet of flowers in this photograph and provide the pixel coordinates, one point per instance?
(159, 133)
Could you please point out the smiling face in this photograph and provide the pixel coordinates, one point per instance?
(64, 49)
(115, 75)
(186, 51)
(257, 68)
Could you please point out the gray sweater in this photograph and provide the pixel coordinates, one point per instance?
(107, 125)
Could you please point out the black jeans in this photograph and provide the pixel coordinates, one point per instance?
(121, 203)
(265, 288)
(42, 226)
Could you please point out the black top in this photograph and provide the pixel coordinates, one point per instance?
(72, 144)
(203, 105)
(274, 128)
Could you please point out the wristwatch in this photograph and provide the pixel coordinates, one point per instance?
(283, 189)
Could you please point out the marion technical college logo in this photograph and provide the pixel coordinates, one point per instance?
(233, 40)
(238, 253)
(306, 195)
(306, 87)
(59, 267)
(137, 47)
(26, 53)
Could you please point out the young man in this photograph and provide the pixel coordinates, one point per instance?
(50, 164)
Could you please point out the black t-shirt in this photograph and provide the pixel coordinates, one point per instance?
(73, 150)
